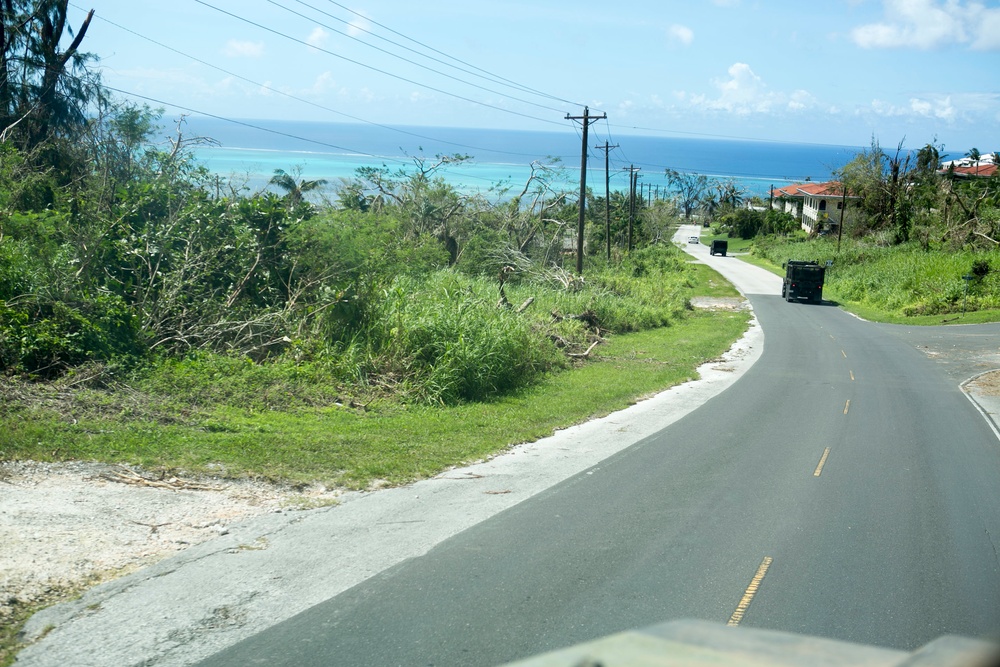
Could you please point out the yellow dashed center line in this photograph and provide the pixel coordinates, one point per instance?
(847, 406)
(741, 608)
(822, 462)
(852, 375)
(843, 353)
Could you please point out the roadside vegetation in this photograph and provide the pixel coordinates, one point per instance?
(382, 329)
(923, 245)
(374, 332)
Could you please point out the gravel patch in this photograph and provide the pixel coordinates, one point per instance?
(64, 526)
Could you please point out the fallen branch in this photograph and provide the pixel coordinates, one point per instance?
(126, 476)
(586, 354)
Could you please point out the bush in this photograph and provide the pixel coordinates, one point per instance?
(45, 338)
(451, 343)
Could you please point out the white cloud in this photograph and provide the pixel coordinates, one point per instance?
(323, 83)
(317, 38)
(800, 100)
(937, 108)
(358, 27)
(743, 93)
(940, 108)
(240, 49)
(986, 29)
(680, 34)
(928, 24)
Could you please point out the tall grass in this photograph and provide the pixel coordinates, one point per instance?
(447, 339)
(903, 280)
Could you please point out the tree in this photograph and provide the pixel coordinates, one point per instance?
(44, 89)
(974, 156)
(730, 194)
(294, 186)
(689, 187)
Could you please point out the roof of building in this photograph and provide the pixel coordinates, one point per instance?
(981, 170)
(827, 189)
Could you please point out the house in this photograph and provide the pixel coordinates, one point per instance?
(983, 167)
(817, 206)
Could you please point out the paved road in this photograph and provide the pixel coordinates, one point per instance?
(845, 472)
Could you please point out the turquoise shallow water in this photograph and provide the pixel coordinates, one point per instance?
(334, 151)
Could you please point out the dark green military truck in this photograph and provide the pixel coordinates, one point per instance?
(803, 280)
(718, 247)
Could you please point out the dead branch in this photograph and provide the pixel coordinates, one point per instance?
(586, 354)
(126, 476)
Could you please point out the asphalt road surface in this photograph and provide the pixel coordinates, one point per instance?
(844, 487)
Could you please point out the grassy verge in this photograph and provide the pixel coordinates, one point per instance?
(733, 245)
(387, 441)
(711, 283)
(190, 431)
(874, 313)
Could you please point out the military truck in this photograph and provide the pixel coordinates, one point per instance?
(719, 246)
(803, 280)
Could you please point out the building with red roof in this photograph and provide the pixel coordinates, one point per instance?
(817, 206)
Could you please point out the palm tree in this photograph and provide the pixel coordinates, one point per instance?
(975, 156)
(709, 203)
(294, 185)
(731, 194)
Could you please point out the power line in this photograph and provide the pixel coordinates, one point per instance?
(469, 69)
(283, 93)
(407, 60)
(458, 60)
(374, 69)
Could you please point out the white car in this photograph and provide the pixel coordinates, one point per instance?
(692, 239)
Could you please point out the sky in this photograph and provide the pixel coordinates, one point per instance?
(840, 72)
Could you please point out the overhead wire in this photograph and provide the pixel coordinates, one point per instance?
(254, 126)
(458, 60)
(493, 78)
(374, 69)
(468, 69)
(394, 55)
(277, 91)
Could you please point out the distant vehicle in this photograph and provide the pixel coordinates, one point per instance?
(692, 239)
(719, 247)
(803, 280)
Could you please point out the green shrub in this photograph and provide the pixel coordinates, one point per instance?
(44, 338)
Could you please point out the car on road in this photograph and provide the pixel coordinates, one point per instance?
(692, 239)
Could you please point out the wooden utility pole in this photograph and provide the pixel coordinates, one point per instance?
(587, 120)
(633, 179)
(843, 207)
(607, 196)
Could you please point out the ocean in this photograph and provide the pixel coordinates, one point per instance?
(251, 150)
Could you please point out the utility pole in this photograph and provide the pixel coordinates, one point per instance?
(587, 120)
(607, 196)
(633, 179)
(843, 207)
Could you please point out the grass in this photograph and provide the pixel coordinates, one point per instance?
(219, 417)
(898, 285)
(733, 245)
(711, 283)
(388, 441)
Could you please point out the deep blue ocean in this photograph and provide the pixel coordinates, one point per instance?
(334, 151)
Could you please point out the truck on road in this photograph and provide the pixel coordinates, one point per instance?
(803, 280)
(719, 247)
